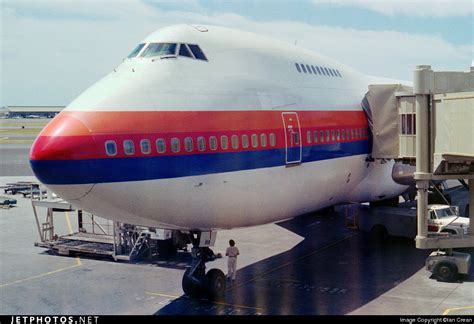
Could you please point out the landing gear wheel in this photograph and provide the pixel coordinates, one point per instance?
(215, 284)
(446, 272)
(191, 287)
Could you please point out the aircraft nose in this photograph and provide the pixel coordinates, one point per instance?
(63, 145)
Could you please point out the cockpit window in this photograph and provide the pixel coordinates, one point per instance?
(197, 52)
(136, 50)
(184, 51)
(158, 49)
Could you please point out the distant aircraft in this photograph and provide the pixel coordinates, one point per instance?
(208, 128)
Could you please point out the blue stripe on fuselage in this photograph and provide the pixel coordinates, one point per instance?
(175, 166)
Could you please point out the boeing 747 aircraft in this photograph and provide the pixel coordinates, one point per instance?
(204, 128)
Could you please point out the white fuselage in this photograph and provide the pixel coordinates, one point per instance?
(202, 110)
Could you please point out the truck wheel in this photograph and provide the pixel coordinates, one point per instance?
(446, 272)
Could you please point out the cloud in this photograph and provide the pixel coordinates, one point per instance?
(52, 51)
(432, 8)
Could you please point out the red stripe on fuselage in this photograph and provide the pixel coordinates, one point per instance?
(82, 135)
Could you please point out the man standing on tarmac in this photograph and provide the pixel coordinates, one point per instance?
(232, 252)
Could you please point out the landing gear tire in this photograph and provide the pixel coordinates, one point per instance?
(215, 284)
(191, 287)
(446, 272)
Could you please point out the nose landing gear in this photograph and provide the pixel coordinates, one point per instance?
(196, 283)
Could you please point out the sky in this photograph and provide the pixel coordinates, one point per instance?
(52, 50)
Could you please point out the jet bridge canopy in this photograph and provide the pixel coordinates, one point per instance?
(382, 109)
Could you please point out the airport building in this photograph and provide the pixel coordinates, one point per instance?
(32, 111)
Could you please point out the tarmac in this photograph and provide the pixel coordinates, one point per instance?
(309, 265)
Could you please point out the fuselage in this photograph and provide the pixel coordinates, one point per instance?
(217, 128)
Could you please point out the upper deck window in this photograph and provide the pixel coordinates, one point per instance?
(198, 53)
(136, 51)
(159, 49)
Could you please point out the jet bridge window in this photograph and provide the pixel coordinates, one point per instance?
(197, 52)
(159, 49)
(136, 51)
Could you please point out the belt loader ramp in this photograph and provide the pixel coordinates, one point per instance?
(429, 126)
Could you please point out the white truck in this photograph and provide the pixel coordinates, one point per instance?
(396, 221)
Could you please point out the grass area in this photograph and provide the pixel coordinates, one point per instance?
(16, 132)
(16, 141)
(10, 122)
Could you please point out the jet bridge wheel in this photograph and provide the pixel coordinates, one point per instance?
(446, 271)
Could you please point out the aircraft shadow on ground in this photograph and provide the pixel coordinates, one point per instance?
(334, 270)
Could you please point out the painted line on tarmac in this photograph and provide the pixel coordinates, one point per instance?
(263, 274)
(448, 310)
(38, 276)
(212, 302)
(3, 138)
(78, 263)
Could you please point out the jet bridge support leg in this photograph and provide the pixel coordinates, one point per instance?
(196, 283)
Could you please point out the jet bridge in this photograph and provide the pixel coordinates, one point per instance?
(430, 126)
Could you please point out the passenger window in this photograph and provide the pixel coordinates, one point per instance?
(327, 136)
(136, 51)
(321, 136)
(159, 49)
(326, 72)
(308, 137)
(184, 51)
(128, 147)
(235, 142)
(315, 136)
(201, 144)
(303, 67)
(333, 135)
(254, 140)
(314, 70)
(338, 135)
(110, 148)
(343, 135)
(263, 140)
(224, 142)
(272, 139)
(339, 73)
(319, 71)
(296, 138)
(175, 145)
(309, 69)
(245, 141)
(188, 144)
(330, 72)
(198, 53)
(160, 145)
(213, 143)
(145, 146)
(298, 67)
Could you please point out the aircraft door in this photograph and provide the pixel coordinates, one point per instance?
(293, 141)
